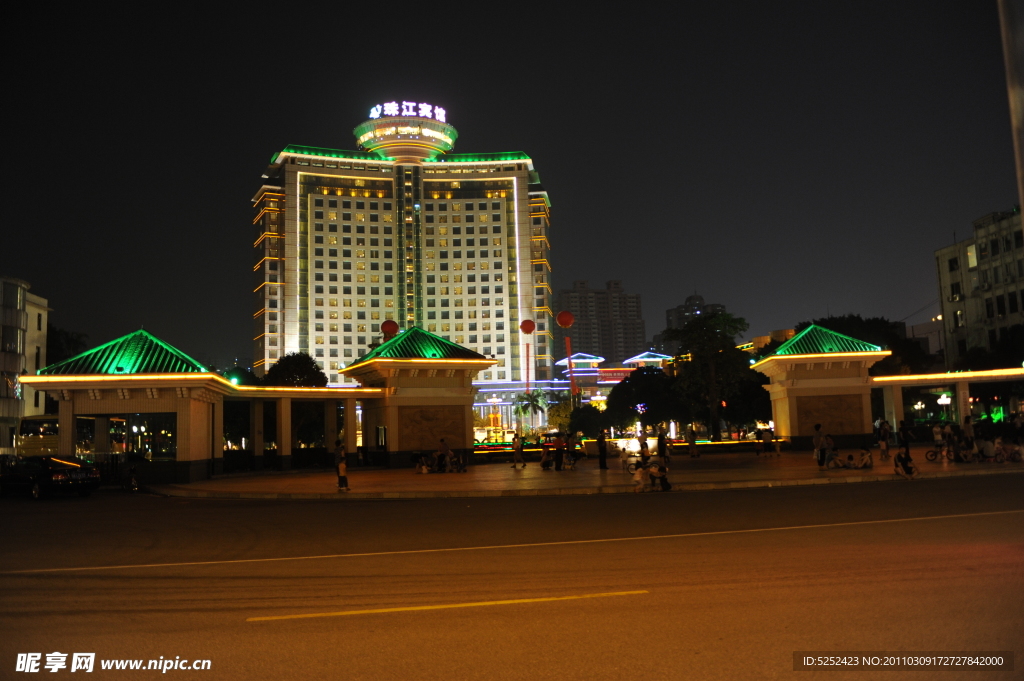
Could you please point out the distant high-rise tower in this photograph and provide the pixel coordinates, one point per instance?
(456, 244)
(609, 322)
(677, 317)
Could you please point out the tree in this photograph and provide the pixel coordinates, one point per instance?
(559, 414)
(296, 369)
(587, 419)
(705, 338)
(1007, 353)
(645, 395)
(62, 344)
(241, 376)
(529, 403)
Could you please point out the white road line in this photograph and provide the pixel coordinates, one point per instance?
(509, 546)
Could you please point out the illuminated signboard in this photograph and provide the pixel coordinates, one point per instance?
(418, 109)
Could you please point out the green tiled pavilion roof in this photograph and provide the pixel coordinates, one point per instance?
(137, 353)
(415, 343)
(817, 340)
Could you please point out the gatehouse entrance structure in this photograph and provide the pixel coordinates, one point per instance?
(416, 389)
(820, 376)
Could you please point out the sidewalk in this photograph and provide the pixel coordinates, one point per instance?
(709, 472)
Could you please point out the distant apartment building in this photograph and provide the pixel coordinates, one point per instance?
(609, 322)
(677, 317)
(981, 284)
(23, 318)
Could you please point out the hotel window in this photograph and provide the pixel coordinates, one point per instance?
(319, 239)
(318, 202)
(332, 215)
(318, 215)
(319, 340)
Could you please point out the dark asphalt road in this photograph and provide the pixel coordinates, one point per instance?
(731, 600)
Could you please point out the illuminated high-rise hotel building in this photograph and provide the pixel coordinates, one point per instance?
(456, 244)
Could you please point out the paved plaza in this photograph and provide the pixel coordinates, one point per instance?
(709, 471)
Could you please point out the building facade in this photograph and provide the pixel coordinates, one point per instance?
(981, 284)
(608, 322)
(456, 244)
(23, 319)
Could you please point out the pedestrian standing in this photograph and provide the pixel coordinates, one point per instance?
(968, 433)
(559, 451)
(905, 436)
(342, 475)
(339, 452)
(884, 433)
(766, 441)
(602, 451)
(691, 442)
(819, 446)
(645, 452)
(517, 452)
(444, 457)
(663, 446)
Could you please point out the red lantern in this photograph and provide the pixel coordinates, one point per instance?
(565, 319)
(389, 329)
(527, 326)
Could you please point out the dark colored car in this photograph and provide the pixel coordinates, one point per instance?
(39, 476)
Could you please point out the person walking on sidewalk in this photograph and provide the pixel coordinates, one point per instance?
(602, 451)
(339, 452)
(766, 441)
(820, 446)
(663, 446)
(884, 433)
(645, 452)
(517, 451)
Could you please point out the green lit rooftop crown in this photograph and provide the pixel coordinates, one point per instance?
(139, 352)
(415, 343)
(817, 340)
(406, 131)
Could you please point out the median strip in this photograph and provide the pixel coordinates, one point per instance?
(412, 608)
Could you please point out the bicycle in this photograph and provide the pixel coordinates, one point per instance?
(944, 451)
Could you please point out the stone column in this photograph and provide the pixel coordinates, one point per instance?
(218, 436)
(101, 437)
(284, 432)
(963, 401)
(350, 426)
(330, 423)
(256, 432)
(66, 430)
(892, 396)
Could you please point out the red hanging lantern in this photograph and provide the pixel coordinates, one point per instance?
(389, 329)
(565, 319)
(527, 326)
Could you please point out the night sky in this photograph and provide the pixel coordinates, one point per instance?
(785, 159)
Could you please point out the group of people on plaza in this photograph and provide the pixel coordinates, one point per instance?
(562, 451)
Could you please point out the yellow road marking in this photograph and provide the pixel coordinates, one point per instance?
(443, 607)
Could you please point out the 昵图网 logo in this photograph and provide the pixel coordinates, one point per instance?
(419, 109)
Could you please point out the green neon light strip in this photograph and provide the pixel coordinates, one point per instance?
(300, 150)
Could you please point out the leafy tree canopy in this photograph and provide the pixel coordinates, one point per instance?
(62, 344)
(241, 376)
(645, 395)
(296, 369)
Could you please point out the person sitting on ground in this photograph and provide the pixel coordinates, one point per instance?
(903, 464)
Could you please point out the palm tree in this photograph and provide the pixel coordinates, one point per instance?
(528, 403)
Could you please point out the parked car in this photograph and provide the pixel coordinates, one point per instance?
(39, 476)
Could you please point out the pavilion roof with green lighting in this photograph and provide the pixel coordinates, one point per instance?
(139, 352)
(817, 340)
(415, 343)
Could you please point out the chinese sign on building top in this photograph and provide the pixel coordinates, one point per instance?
(420, 109)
